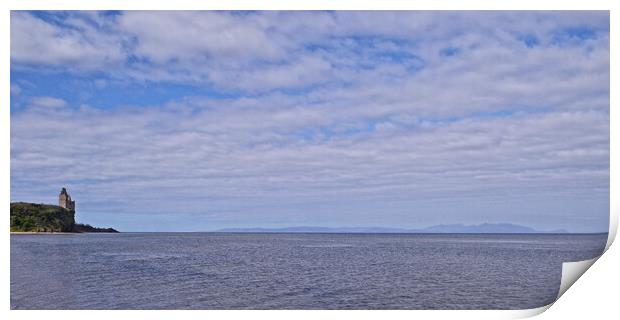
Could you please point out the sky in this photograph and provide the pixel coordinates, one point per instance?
(198, 120)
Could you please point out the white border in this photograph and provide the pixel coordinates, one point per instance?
(605, 284)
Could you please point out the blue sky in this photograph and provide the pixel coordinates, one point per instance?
(196, 121)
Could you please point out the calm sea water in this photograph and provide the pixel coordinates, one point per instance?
(291, 271)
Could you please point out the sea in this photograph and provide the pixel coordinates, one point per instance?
(292, 270)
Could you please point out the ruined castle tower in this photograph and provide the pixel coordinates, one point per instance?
(64, 200)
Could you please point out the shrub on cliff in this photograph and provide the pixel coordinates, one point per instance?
(32, 217)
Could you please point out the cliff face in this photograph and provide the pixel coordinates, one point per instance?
(32, 217)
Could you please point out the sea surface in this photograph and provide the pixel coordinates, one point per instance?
(292, 271)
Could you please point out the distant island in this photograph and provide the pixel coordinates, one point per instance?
(444, 228)
(33, 217)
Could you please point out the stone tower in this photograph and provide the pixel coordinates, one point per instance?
(64, 200)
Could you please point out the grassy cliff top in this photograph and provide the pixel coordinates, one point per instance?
(32, 217)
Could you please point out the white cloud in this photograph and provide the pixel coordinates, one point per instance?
(348, 111)
(197, 36)
(37, 42)
(264, 51)
(49, 102)
(240, 160)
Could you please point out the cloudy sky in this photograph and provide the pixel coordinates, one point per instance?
(190, 121)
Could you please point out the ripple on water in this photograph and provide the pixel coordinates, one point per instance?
(284, 271)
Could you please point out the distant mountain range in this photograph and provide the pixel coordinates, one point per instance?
(443, 228)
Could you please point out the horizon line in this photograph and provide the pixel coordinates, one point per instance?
(340, 232)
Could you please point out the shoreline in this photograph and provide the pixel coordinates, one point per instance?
(293, 232)
(42, 233)
(335, 233)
